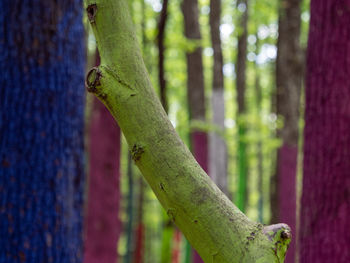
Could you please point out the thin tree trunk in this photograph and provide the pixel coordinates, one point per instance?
(325, 211)
(176, 251)
(167, 234)
(102, 223)
(130, 212)
(42, 60)
(103, 226)
(242, 5)
(288, 82)
(203, 213)
(161, 49)
(140, 229)
(217, 145)
(260, 157)
(195, 88)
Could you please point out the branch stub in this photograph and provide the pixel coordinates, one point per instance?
(91, 12)
(93, 79)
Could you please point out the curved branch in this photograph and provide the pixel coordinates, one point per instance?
(212, 224)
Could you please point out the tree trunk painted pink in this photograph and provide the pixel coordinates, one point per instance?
(200, 152)
(139, 247)
(325, 211)
(200, 148)
(289, 67)
(102, 222)
(176, 253)
(287, 166)
(195, 88)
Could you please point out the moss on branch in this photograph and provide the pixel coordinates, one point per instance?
(212, 224)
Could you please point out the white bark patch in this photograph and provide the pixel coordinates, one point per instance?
(217, 145)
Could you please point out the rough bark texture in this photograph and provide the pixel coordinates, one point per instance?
(195, 88)
(325, 212)
(212, 224)
(288, 82)
(217, 145)
(161, 49)
(41, 131)
(240, 89)
(102, 222)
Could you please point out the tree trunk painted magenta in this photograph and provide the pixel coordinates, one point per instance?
(325, 217)
(41, 131)
(103, 226)
(213, 225)
(195, 89)
(288, 80)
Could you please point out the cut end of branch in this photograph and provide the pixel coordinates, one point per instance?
(277, 231)
(93, 79)
(91, 12)
(280, 235)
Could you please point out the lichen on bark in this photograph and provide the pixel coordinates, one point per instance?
(212, 224)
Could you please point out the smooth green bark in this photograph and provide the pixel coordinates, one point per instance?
(213, 225)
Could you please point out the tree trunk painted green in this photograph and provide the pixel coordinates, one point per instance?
(212, 224)
(242, 6)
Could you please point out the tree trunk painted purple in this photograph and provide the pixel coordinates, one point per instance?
(102, 222)
(287, 169)
(200, 152)
(195, 88)
(288, 82)
(200, 148)
(325, 204)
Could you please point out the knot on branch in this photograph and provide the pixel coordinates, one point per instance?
(136, 152)
(281, 236)
(93, 79)
(91, 12)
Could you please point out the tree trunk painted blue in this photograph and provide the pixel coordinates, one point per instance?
(41, 130)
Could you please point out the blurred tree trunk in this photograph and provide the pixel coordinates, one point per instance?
(140, 228)
(161, 49)
(103, 226)
(130, 213)
(288, 82)
(192, 201)
(195, 88)
(325, 203)
(260, 156)
(217, 144)
(176, 251)
(242, 6)
(42, 63)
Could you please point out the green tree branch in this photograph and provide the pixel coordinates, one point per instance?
(212, 224)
